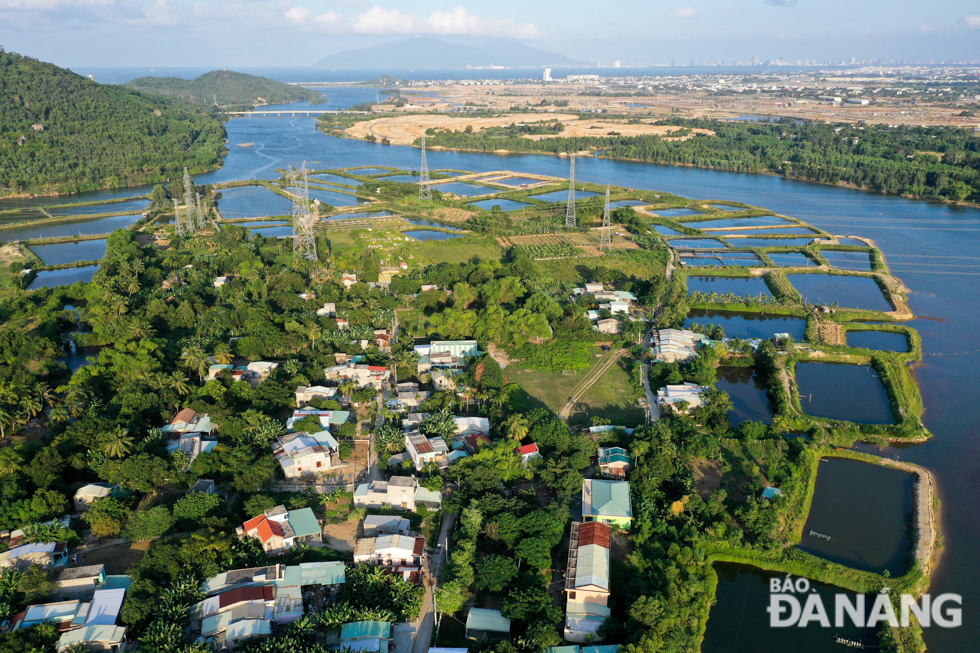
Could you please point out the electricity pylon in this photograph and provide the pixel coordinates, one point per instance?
(570, 210)
(190, 212)
(202, 218)
(605, 236)
(304, 241)
(178, 223)
(425, 191)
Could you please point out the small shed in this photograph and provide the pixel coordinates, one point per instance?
(771, 492)
(87, 494)
(492, 624)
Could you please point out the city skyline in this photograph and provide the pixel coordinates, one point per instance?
(225, 33)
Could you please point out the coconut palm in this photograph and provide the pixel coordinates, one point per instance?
(117, 443)
(517, 427)
(196, 360)
(178, 382)
(223, 353)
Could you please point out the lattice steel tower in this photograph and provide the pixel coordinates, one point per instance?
(190, 212)
(202, 218)
(570, 210)
(425, 191)
(304, 242)
(605, 235)
(178, 223)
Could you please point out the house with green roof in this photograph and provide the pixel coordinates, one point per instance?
(110, 639)
(367, 636)
(491, 624)
(614, 461)
(607, 502)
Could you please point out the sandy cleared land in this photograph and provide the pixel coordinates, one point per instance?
(403, 130)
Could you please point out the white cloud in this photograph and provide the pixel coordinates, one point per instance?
(378, 20)
(972, 22)
(158, 14)
(51, 4)
(330, 20)
(686, 12)
(298, 14)
(927, 29)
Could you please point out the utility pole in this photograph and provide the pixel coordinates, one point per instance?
(605, 237)
(570, 222)
(425, 191)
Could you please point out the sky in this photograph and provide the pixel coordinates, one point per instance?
(228, 33)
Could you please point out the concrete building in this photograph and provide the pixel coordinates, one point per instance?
(306, 394)
(427, 450)
(329, 310)
(614, 461)
(468, 425)
(528, 452)
(402, 492)
(304, 454)
(87, 494)
(363, 375)
(390, 550)
(188, 421)
(443, 380)
(279, 529)
(609, 325)
(80, 582)
(490, 624)
(376, 525)
(587, 581)
(677, 345)
(669, 397)
(607, 502)
(445, 354)
(348, 280)
(45, 554)
(328, 418)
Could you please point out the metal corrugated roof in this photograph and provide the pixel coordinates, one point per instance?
(611, 648)
(249, 628)
(115, 634)
(105, 607)
(606, 498)
(490, 620)
(303, 522)
(593, 566)
(365, 630)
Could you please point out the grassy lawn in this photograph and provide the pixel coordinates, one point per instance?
(610, 398)
(546, 389)
(637, 263)
(455, 251)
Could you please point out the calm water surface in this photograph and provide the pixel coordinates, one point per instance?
(769, 242)
(856, 261)
(505, 205)
(847, 292)
(61, 253)
(426, 234)
(866, 511)
(881, 340)
(116, 207)
(864, 402)
(703, 243)
(748, 325)
(81, 228)
(721, 223)
(562, 195)
(742, 287)
(787, 260)
(55, 278)
(747, 393)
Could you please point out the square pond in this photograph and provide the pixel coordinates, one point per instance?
(702, 243)
(738, 324)
(845, 291)
(853, 393)
(880, 340)
(463, 189)
(723, 223)
(741, 286)
(562, 195)
(857, 261)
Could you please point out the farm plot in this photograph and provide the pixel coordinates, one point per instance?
(564, 245)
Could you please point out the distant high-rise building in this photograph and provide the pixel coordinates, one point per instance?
(547, 74)
(616, 64)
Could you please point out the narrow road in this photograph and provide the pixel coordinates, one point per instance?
(433, 567)
(594, 375)
(652, 409)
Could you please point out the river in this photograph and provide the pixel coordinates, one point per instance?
(932, 247)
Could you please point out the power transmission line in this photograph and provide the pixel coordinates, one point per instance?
(425, 191)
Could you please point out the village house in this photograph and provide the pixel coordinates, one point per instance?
(609, 325)
(402, 492)
(482, 623)
(424, 451)
(614, 461)
(45, 554)
(607, 502)
(221, 281)
(328, 418)
(470, 425)
(669, 397)
(88, 494)
(587, 581)
(329, 309)
(304, 454)
(442, 380)
(189, 421)
(677, 345)
(80, 582)
(279, 529)
(528, 452)
(412, 420)
(94, 639)
(376, 525)
(390, 551)
(445, 354)
(348, 280)
(305, 394)
(363, 375)
(342, 323)
(366, 636)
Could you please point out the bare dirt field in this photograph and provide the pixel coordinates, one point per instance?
(342, 536)
(403, 130)
(117, 558)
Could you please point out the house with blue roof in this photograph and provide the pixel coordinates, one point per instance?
(607, 502)
(366, 636)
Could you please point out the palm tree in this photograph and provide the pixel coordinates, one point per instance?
(196, 360)
(178, 382)
(117, 443)
(139, 329)
(223, 353)
(517, 427)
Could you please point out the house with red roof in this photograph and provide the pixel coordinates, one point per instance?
(279, 529)
(527, 452)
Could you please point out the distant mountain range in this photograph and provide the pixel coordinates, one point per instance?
(228, 88)
(430, 54)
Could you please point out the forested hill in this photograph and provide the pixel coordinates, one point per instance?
(62, 133)
(231, 90)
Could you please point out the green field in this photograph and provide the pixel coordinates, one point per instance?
(636, 263)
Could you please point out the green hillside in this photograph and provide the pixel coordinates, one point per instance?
(94, 136)
(229, 89)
